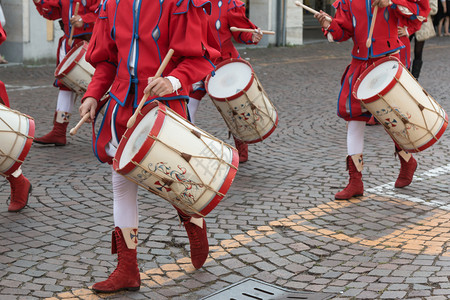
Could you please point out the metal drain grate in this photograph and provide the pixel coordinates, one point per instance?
(253, 289)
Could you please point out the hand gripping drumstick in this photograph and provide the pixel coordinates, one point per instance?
(74, 130)
(298, 3)
(163, 65)
(73, 26)
(372, 25)
(251, 30)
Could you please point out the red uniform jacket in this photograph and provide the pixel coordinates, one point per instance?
(3, 95)
(65, 9)
(171, 24)
(154, 27)
(353, 18)
(226, 14)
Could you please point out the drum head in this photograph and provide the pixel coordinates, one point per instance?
(376, 80)
(230, 79)
(71, 58)
(138, 137)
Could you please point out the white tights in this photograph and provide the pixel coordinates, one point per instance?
(66, 101)
(355, 137)
(125, 201)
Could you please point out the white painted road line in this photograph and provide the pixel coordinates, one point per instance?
(389, 190)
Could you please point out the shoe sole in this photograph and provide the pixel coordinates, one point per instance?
(349, 198)
(45, 143)
(131, 289)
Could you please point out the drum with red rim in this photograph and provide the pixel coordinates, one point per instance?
(174, 159)
(413, 119)
(17, 132)
(241, 100)
(74, 71)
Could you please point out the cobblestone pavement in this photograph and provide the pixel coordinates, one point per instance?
(279, 222)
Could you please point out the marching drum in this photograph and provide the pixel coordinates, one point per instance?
(74, 71)
(238, 95)
(17, 132)
(413, 119)
(174, 159)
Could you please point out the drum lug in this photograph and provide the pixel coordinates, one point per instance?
(167, 181)
(187, 157)
(196, 133)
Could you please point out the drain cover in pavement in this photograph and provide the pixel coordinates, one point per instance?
(253, 289)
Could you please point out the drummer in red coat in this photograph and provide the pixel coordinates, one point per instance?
(82, 25)
(226, 14)
(352, 21)
(20, 185)
(130, 40)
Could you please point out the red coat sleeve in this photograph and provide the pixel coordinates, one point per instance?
(237, 18)
(2, 34)
(49, 9)
(194, 46)
(90, 16)
(341, 27)
(102, 55)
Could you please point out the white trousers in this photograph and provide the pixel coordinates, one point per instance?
(66, 101)
(355, 137)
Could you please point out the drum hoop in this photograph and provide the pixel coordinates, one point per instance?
(368, 70)
(26, 147)
(142, 152)
(83, 45)
(239, 94)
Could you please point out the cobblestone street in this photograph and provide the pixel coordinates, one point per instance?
(279, 222)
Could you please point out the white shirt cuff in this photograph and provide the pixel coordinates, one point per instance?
(175, 82)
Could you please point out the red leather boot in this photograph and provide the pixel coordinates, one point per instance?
(126, 275)
(198, 241)
(57, 135)
(355, 185)
(408, 166)
(242, 149)
(20, 191)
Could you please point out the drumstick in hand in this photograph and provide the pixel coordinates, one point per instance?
(73, 26)
(372, 25)
(251, 30)
(163, 65)
(313, 11)
(74, 130)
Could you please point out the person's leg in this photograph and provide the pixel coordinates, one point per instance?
(124, 238)
(355, 147)
(417, 62)
(20, 190)
(64, 107)
(446, 24)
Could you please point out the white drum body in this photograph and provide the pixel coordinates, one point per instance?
(74, 71)
(174, 159)
(239, 97)
(17, 132)
(409, 114)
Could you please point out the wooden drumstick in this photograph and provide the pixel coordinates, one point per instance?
(74, 130)
(77, 6)
(313, 11)
(163, 65)
(372, 25)
(251, 30)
